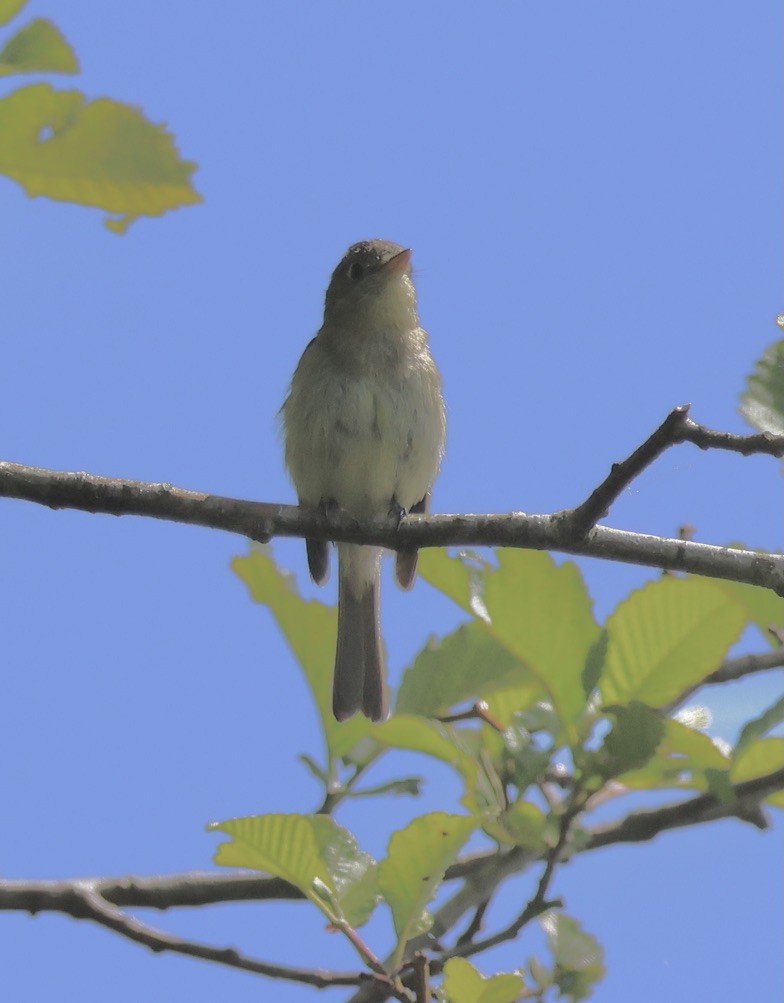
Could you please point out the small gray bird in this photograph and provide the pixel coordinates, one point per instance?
(364, 426)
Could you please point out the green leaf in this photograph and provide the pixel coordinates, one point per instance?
(463, 666)
(310, 628)
(464, 984)
(579, 959)
(522, 824)
(632, 740)
(354, 873)
(665, 638)
(594, 663)
(313, 853)
(508, 703)
(39, 47)
(9, 9)
(102, 153)
(762, 403)
(758, 759)
(683, 758)
(408, 786)
(542, 612)
(759, 726)
(459, 578)
(414, 867)
(763, 607)
(314, 768)
(404, 731)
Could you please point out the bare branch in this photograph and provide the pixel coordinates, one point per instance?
(82, 900)
(677, 427)
(260, 521)
(170, 891)
(746, 665)
(731, 670)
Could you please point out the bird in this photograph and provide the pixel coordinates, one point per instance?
(364, 426)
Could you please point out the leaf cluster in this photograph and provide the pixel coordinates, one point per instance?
(542, 713)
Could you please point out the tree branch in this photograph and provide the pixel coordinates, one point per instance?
(169, 891)
(83, 900)
(677, 427)
(646, 824)
(97, 899)
(745, 665)
(572, 531)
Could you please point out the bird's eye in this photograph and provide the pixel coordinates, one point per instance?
(355, 270)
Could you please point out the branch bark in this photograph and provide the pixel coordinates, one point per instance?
(572, 531)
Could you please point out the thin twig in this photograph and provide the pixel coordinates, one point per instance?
(677, 427)
(480, 711)
(475, 925)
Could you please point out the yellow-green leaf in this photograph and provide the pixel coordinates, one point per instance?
(682, 759)
(312, 852)
(9, 9)
(758, 759)
(467, 664)
(763, 607)
(284, 845)
(542, 612)
(414, 867)
(522, 824)
(666, 637)
(39, 47)
(310, 628)
(404, 731)
(460, 578)
(756, 728)
(464, 984)
(100, 153)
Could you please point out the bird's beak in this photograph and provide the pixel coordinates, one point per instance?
(401, 263)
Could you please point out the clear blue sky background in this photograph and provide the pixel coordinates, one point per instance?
(593, 195)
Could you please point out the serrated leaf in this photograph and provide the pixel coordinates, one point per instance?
(467, 664)
(414, 867)
(284, 845)
(538, 610)
(9, 9)
(312, 852)
(762, 402)
(354, 873)
(665, 638)
(464, 984)
(310, 628)
(100, 153)
(39, 47)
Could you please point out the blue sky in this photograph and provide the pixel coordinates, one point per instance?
(593, 196)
